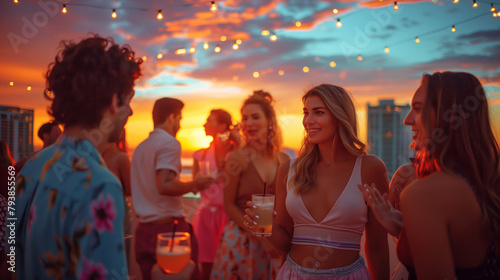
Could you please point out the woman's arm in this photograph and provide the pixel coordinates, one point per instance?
(196, 168)
(232, 170)
(426, 229)
(376, 246)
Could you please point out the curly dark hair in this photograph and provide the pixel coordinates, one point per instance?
(85, 76)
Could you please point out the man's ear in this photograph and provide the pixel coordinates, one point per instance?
(171, 118)
(114, 103)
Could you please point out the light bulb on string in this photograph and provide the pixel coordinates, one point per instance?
(333, 64)
(453, 29)
(360, 58)
(495, 14)
(28, 88)
(492, 8)
(64, 10)
(213, 7)
(180, 51)
(205, 45)
(298, 24)
(15, 1)
(235, 46)
(338, 24)
(396, 7)
(455, 1)
(113, 14)
(238, 41)
(417, 40)
(265, 32)
(273, 37)
(335, 11)
(159, 56)
(386, 50)
(223, 38)
(217, 49)
(192, 50)
(11, 84)
(475, 4)
(159, 16)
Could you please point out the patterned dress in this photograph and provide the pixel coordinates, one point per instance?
(69, 210)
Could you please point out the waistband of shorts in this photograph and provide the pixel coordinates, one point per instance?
(165, 221)
(330, 272)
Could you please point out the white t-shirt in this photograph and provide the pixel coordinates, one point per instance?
(159, 151)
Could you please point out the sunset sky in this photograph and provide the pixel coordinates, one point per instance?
(307, 36)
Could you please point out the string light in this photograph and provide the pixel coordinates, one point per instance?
(256, 74)
(11, 84)
(305, 69)
(223, 38)
(281, 72)
(455, 1)
(360, 58)
(265, 32)
(217, 49)
(144, 58)
(192, 50)
(15, 1)
(339, 24)
(64, 10)
(159, 16)
(333, 64)
(453, 29)
(238, 41)
(298, 24)
(235, 46)
(495, 15)
(396, 7)
(475, 4)
(492, 8)
(335, 11)
(28, 88)
(213, 7)
(273, 37)
(386, 50)
(180, 51)
(205, 45)
(159, 56)
(417, 40)
(113, 15)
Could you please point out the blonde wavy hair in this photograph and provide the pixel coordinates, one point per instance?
(457, 107)
(339, 103)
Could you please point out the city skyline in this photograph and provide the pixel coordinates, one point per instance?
(373, 54)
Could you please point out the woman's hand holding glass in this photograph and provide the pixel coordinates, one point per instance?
(390, 218)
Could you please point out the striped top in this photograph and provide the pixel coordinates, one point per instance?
(342, 227)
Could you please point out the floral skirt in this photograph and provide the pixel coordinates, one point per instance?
(241, 256)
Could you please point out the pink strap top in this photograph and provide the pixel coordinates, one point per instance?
(342, 227)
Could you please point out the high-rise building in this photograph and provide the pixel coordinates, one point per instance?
(16, 128)
(388, 137)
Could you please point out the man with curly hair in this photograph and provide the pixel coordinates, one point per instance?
(69, 206)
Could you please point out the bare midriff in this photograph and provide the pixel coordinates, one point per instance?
(312, 256)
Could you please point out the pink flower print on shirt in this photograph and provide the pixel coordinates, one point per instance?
(32, 217)
(103, 212)
(93, 271)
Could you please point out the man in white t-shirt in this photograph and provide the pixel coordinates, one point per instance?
(156, 189)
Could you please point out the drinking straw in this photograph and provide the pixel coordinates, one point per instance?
(264, 188)
(173, 236)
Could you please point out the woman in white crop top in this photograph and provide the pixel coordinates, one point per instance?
(321, 214)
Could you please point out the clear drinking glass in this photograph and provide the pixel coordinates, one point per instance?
(173, 258)
(265, 209)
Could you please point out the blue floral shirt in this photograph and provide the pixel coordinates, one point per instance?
(69, 210)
